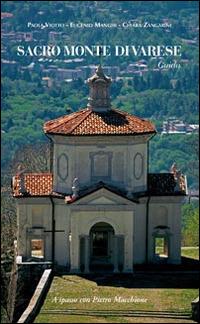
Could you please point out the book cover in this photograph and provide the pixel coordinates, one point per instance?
(100, 161)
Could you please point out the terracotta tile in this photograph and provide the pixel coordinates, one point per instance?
(36, 184)
(88, 122)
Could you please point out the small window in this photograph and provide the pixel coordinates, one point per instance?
(161, 247)
(37, 248)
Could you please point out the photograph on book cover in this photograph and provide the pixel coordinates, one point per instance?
(100, 190)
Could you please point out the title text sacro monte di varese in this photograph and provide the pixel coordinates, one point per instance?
(97, 50)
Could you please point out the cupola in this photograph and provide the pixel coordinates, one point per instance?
(99, 96)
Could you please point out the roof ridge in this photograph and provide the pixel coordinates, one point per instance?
(91, 112)
(139, 119)
(57, 119)
(125, 113)
(122, 113)
(131, 115)
(102, 185)
(63, 119)
(84, 117)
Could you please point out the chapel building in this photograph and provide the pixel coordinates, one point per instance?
(99, 208)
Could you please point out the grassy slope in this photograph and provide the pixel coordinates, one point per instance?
(158, 300)
(190, 252)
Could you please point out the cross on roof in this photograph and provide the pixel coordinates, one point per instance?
(100, 55)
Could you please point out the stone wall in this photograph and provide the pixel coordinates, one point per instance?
(28, 277)
(37, 298)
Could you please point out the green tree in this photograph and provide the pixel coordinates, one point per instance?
(191, 229)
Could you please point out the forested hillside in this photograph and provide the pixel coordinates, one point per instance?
(157, 95)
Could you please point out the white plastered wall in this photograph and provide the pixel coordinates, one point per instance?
(27, 210)
(166, 211)
(62, 227)
(128, 160)
(139, 238)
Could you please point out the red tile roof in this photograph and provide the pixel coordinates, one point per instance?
(166, 184)
(89, 122)
(41, 184)
(35, 184)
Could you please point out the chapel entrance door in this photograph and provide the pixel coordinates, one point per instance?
(101, 247)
